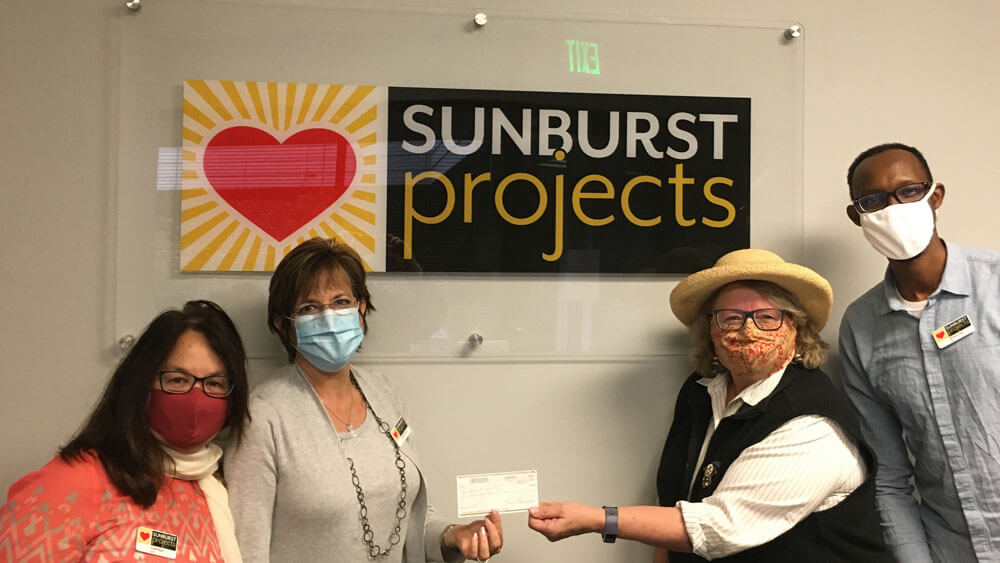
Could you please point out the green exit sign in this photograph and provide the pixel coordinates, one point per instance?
(583, 57)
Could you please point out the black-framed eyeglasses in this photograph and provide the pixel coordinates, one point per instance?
(314, 308)
(907, 193)
(734, 319)
(179, 382)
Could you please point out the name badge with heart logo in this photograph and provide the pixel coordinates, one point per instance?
(953, 331)
(155, 542)
(400, 432)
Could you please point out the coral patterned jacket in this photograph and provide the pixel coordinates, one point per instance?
(71, 512)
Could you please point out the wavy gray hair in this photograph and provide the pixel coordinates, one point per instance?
(810, 349)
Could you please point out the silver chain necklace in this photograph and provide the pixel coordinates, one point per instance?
(375, 550)
(350, 412)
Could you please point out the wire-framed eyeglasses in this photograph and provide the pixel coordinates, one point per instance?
(734, 319)
(315, 308)
(907, 193)
(179, 382)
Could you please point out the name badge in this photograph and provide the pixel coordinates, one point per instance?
(953, 331)
(400, 432)
(155, 542)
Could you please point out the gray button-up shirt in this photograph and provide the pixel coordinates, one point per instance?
(943, 405)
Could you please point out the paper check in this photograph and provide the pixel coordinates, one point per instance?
(512, 491)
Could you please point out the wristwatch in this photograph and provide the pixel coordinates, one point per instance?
(610, 524)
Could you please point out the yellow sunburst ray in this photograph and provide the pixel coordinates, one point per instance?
(188, 238)
(192, 212)
(369, 159)
(234, 96)
(333, 234)
(307, 99)
(189, 155)
(191, 136)
(363, 214)
(359, 234)
(289, 104)
(210, 98)
(250, 264)
(196, 114)
(206, 254)
(272, 97)
(331, 93)
(367, 141)
(234, 250)
(364, 195)
(269, 259)
(353, 100)
(257, 101)
(191, 193)
(367, 179)
(364, 119)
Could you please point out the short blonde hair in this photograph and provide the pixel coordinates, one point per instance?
(810, 349)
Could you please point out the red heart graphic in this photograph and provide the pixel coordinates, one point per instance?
(144, 535)
(940, 335)
(279, 186)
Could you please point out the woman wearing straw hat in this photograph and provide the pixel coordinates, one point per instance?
(764, 460)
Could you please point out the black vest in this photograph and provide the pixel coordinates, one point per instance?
(847, 532)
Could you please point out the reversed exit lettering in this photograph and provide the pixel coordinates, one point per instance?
(583, 57)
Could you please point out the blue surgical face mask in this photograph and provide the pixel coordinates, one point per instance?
(328, 340)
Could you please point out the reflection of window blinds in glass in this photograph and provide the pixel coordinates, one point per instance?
(168, 168)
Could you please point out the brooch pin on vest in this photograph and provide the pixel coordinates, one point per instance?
(708, 475)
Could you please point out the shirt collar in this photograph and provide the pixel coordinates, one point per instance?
(753, 394)
(955, 279)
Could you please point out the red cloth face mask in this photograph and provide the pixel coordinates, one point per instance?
(186, 420)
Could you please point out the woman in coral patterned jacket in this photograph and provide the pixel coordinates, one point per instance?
(140, 478)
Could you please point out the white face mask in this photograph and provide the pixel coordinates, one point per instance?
(901, 231)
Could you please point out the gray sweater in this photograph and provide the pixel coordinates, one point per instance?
(290, 487)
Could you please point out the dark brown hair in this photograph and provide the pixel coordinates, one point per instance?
(118, 432)
(298, 274)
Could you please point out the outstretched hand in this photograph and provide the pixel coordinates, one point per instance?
(478, 540)
(559, 520)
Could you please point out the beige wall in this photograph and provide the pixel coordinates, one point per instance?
(918, 72)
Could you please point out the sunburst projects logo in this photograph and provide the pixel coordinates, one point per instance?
(267, 165)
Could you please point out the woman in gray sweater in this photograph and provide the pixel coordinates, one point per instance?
(326, 470)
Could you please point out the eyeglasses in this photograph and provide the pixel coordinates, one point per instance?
(179, 382)
(313, 308)
(734, 319)
(908, 193)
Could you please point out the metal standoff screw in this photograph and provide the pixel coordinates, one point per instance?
(126, 342)
(133, 5)
(480, 19)
(475, 340)
(793, 32)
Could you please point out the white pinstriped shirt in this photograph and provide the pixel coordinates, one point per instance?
(806, 465)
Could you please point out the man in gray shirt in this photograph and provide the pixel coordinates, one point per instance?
(921, 356)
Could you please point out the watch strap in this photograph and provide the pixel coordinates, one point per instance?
(610, 524)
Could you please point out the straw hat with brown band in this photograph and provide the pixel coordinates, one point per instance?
(808, 288)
